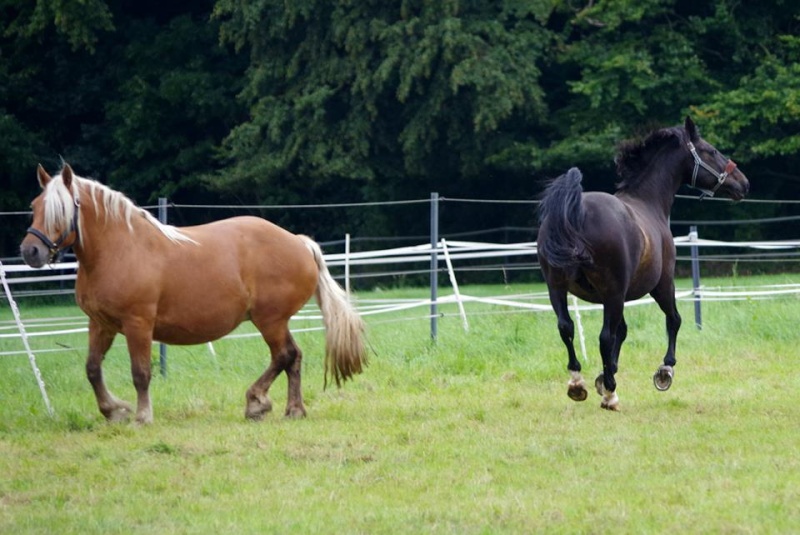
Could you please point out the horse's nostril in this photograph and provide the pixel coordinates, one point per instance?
(32, 255)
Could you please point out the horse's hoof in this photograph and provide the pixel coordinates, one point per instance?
(118, 416)
(577, 392)
(662, 379)
(599, 384)
(254, 416)
(295, 412)
(120, 412)
(609, 407)
(257, 408)
(610, 401)
(145, 417)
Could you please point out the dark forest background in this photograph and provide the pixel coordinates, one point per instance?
(336, 101)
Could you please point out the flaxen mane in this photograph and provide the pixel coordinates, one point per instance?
(60, 207)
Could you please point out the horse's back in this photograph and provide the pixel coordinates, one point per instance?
(258, 248)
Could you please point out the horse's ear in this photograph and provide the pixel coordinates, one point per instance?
(691, 129)
(66, 175)
(42, 176)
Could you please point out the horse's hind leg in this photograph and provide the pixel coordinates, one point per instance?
(285, 356)
(576, 388)
(610, 344)
(294, 402)
(100, 341)
(664, 295)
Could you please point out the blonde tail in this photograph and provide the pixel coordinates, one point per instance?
(345, 347)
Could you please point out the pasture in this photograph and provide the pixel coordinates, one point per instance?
(473, 434)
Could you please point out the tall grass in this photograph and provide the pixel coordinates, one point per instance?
(472, 434)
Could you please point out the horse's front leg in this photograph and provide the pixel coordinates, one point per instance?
(100, 341)
(610, 345)
(139, 337)
(664, 295)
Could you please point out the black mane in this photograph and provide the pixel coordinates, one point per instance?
(634, 155)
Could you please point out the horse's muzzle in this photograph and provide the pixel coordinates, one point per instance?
(742, 191)
(34, 254)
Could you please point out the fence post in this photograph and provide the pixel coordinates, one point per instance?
(347, 263)
(454, 283)
(434, 263)
(162, 348)
(698, 316)
(24, 337)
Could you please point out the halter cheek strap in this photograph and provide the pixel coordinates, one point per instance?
(55, 247)
(698, 163)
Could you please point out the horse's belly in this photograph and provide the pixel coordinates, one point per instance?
(640, 290)
(584, 288)
(177, 334)
(198, 319)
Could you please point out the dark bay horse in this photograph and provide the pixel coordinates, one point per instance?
(187, 285)
(610, 249)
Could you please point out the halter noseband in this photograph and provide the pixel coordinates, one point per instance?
(55, 247)
(698, 163)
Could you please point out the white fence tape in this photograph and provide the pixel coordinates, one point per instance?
(456, 250)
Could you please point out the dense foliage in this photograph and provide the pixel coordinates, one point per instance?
(318, 101)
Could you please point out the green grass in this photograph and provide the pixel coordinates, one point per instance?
(474, 434)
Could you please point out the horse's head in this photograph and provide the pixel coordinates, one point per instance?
(55, 219)
(711, 171)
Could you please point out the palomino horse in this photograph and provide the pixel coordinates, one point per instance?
(188, 285)
(610, 249)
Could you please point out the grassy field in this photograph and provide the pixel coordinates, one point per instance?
(473, 434)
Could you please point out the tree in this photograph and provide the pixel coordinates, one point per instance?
(761, 116)
(136, 94)
(324, 101)
(364, 91)
(631, 66)
(174, 101)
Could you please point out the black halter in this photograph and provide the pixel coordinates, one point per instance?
(55, 247)
(698, 163)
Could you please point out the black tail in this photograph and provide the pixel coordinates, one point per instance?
(564, 246)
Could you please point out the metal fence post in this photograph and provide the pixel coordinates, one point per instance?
(434, 263)
(162, 348)
(698, 316)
